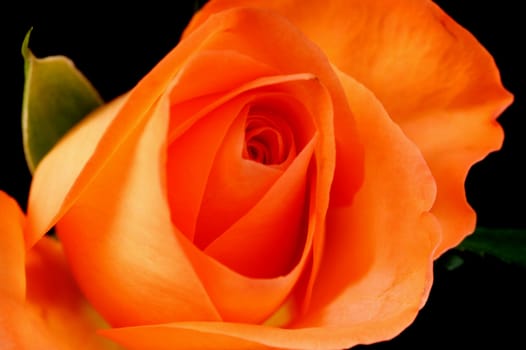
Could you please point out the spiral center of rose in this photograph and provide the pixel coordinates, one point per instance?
(266, 140)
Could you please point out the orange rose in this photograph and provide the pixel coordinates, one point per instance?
(41, 306)
(284, 178)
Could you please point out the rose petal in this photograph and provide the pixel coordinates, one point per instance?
(55, 315)
(167, 337)
(432, 76)
(52, 180)
(388, 271)
(234, 184)
(53, 295)
(12, 249)
(20, 330)
(188, 172)
(239, 297)
(52, 314)
(119, 230)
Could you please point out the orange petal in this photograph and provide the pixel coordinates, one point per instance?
(233, 184)
(193, 93)
(12, 251)
(432, 76)
(52, 193)
(167, 337)
(286, 48)
(120, 240)
(272, 232)
(21, 330)
(41, 306)
(53, 296)
(241, 298)
(379, 269)
(188, 172)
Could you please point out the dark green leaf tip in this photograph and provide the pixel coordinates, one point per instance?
(26, 53)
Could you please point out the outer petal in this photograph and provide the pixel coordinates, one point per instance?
(119, 238)
(378, 280)
(12, 252)
(54, 297)
(53, 314)
(433, 77)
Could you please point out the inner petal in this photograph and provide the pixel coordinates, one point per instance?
(266, 142)
(259, 146)
(188, 172)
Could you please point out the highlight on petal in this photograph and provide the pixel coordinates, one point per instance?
(432, 76)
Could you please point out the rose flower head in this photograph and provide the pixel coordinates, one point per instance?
(283, 178)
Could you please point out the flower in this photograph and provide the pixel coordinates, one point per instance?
(284, 178)
(40, 310)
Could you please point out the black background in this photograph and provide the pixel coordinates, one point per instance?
(480, 303)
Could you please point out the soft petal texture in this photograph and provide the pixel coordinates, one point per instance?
(371, 286)
(52, 314)
(432, 76)
(12, 249)
(132, 242)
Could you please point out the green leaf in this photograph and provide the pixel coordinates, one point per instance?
(509, 245)
(56, 97)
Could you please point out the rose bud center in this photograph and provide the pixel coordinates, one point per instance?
(267, 141)
(248, 182)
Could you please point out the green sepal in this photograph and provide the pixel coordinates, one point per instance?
(56, 97)
(509, 245)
